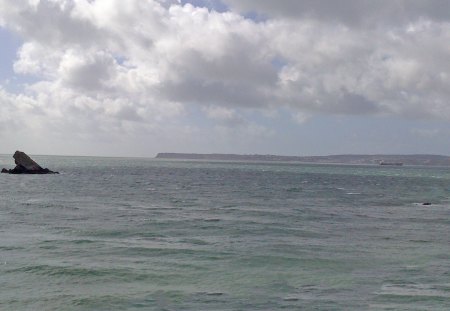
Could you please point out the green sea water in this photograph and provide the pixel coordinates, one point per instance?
(146, 234)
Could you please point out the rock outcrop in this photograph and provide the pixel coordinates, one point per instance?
(26, 165)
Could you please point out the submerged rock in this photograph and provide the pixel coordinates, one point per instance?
(26, 165)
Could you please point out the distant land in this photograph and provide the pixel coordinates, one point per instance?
(416, 159)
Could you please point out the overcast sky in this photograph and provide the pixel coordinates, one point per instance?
(293, 77)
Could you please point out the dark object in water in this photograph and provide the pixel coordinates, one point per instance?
(426, 203)
(26, 165)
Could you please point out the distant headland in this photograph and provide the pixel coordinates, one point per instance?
(417, 159)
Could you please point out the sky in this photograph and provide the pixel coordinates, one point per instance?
(286, 77)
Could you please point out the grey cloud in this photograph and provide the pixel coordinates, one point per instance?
(219, 93)
(350, 103)
(237, 78)
(339, 101)
(353, 12)
(240, 63)
(88, 73)
(50, 22)
(129, 113)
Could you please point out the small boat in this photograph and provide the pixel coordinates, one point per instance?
(391, 163)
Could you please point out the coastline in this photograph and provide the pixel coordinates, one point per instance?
(350, 159)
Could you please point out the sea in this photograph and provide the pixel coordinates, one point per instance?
(153, 234)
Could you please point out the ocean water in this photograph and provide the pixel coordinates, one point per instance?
(146, 234)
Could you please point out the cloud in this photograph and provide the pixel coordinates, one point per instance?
(426, 133)
(7, 111)
(87, 72)
(349, 12)
(336, 69)
(136, 65)
(224, 115)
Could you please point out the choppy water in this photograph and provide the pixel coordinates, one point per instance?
(141, 234)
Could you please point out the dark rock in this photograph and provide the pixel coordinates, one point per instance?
(26, 165)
